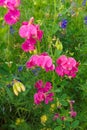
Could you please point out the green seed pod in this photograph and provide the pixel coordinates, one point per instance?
(58, 45)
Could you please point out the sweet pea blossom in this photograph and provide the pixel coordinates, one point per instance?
(32, 33)
(28, 45)
(10, 4)
(29, 30)
(66, 66)
(39, 97)
(43, 61)
(43, 92)
(12, 16)
(2, 2)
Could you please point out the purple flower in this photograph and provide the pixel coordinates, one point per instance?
(20, 68)
(11, 30)
(64, 23)
(85, 20)
(84, 3)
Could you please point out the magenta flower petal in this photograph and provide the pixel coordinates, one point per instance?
(43, 61)
(12, 4)
(39, 84)
(12, 16)
(2, 2)
(47, 87)
(49, 98)
(67, 66)
(39, 97)
(23, 31)
(28, 45)
(73, 113)
(32, 61)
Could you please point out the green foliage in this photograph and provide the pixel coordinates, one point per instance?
(20, 112)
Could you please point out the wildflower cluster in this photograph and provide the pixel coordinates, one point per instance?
(44, 61)
(66, 66)
(43, 92)
(13, 14)
(32, 33)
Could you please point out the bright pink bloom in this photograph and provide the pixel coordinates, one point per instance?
(49, 97)
(39, 84)
(2, 2)
(10, 4)
(43, 61)
(29, 30)
(39, 97)
(43, 93)
(12, 17)
(32, 62)
(32, 33)
(29, 45)
(73, 113)
(66, 66)
(47, 87)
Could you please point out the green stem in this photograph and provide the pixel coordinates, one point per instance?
(38, 48)
(54, 10)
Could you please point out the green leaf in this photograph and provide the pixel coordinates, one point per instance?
(69, 119)
(58, 128)
(10, 94)
(75, 124)
(59, 121)
(64, 102)
(57, 53)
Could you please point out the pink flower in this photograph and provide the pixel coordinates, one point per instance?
(43, 61)
(29, 45)
(2, 2)
(73, 113)
(49, 97)
(47, 87)
(67, 66)
(32, 33)
(32, 62)
(29, 30)
(12, 16)
(39, 84)
(10, 4)
(39, 97)
(43, 93)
